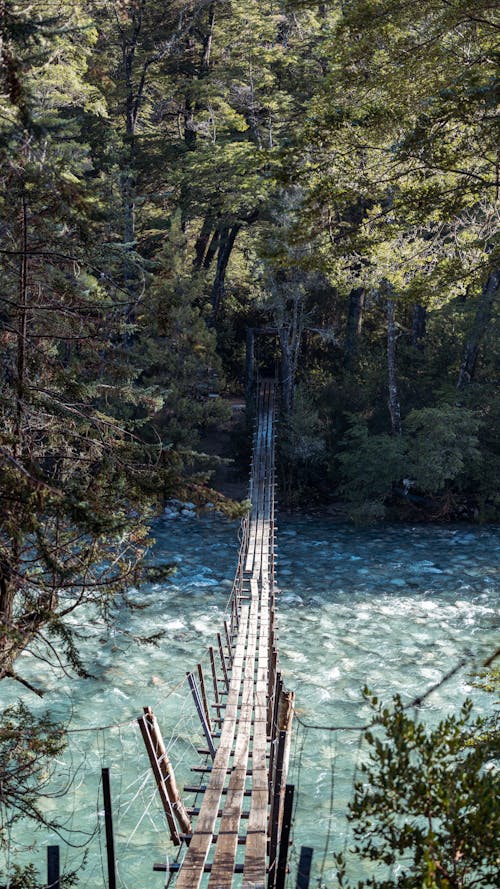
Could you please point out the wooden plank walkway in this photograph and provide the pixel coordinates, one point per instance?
(223, 842)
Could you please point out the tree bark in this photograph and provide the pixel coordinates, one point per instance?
(418, 329)
(212, 248)
(290, 336)
(394, 406)
(133, 100)
(189, 130)
(9, 562)
(201, 244)
(353, 327)
(207, 42)
(249, 369)
(228, 235)
(23, 322)
(484, 314)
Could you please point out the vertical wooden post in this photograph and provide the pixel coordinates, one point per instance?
(285, 837)
(228, 640)
(223, 660)
(204, 695)
(234, 613)
(274, 725)
(304, 871)
(53, 868)
(274, 818)
(164, 774)
(278, 772)
(285, 717)
(199, 707)
(108, 821)
(272, 689)
(214, 675)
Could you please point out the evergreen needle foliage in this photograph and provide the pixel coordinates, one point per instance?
(181, 180)
(425, 810)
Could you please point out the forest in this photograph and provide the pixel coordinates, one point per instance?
(196, 191)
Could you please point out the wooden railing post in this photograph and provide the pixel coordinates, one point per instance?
(164, 774)
(228, 640)
(204, 695)
(201, 714)
(108, 821)
(304, 870)
(214, 675)
(53, 868)
(285, 837)
(223, 660)
(278, 782)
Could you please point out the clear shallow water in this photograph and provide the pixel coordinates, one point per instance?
(392, 607)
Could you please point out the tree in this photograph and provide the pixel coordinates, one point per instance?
(27, 746)
(66, 450)
(425, 811)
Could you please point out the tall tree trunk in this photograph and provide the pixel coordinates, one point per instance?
(228, 236)
(353, 327)
(9, 560)
(201, 244)
(133, 98)
(212, 248)
(484, 313)
(249, 369)
(394, 406)
(207, 41)
(22, 323)
(131, 280)
(290, 336)
(418, 328)
(189, 124)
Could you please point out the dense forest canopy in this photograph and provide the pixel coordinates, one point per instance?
(180, 179)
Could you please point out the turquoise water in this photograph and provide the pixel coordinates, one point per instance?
(392, 607)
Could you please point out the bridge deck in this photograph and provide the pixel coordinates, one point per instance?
(222, 842)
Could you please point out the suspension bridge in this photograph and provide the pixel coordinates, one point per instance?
(242, 823)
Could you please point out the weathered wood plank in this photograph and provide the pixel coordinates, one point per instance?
(192, 867)
(221, 826)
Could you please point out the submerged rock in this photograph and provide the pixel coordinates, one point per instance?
(155, 680)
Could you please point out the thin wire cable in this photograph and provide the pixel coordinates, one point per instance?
(415, 702)
(333, 764)
(353, 782)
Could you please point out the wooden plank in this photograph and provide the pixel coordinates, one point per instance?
(196, 856)
(153, 754)
(247, 722)
(226, 847)
(254, 870)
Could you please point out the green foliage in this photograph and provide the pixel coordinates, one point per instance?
(438, 451)
(441, 445)
(425, 812)
(301, 448)
(28, 743)
(151, 166)
(27, 878)
(370, 465)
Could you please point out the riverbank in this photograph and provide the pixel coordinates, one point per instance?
(229, 442)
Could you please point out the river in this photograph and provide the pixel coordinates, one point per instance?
(393, 607)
